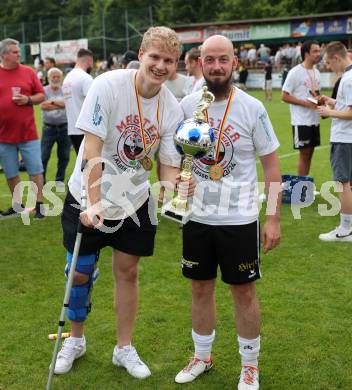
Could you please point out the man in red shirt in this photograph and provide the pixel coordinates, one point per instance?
(19, 90)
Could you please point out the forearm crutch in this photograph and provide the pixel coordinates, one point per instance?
(68, 285)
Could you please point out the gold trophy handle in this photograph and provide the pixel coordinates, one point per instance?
(180, 201)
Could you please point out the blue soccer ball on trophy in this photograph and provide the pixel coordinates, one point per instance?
(194, 138)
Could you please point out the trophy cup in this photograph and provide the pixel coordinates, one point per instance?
(194, 139)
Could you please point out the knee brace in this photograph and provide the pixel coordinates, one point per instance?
(80, 299)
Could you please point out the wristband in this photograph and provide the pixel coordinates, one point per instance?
(29, 101)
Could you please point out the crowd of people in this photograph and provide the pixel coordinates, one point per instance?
(121, 120)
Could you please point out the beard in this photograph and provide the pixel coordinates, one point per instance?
(218, 87)
(55, 85)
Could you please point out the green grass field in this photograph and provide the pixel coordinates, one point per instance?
(305, 296)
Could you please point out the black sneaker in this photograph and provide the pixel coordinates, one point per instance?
(38, 214)
(11, 212)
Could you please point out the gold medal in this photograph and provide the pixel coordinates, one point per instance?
(147, 163)
(216, 172)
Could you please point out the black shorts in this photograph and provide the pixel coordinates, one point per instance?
(234, 248)
(341, 161)
(128, 238)
(306, 136)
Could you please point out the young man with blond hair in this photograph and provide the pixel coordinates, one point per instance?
(224, 228)
(127, 116)
(340, 110)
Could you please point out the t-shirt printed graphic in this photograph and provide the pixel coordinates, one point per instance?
(110, 112)
(247, 132)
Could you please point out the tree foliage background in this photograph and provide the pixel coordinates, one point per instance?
(168, 12)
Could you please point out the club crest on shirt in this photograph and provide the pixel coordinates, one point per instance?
(225, 159)
(97, 117)
(129, 149)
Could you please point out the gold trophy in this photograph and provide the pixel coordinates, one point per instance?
(194, 139)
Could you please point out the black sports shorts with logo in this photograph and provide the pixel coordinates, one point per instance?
(128, 238)
(234, 248)
(305, 136)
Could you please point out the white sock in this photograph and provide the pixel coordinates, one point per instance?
(249, 351)
(126, 348)
(346, 222)
(77, 340)
(202, 345)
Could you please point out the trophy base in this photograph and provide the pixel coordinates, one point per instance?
(179, 216)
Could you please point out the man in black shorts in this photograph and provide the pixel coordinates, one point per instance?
(224, 227)
(303, 83)
(126, 117)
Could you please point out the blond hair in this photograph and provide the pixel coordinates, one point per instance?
(336, 48)
(164, 37)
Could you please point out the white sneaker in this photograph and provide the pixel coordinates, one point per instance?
(336, 235)
(193, 370)
(129, 359)
(249, 378)
(71, 350)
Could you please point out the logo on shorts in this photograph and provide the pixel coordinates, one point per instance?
(188, 264)
(252, 273)
(248, 265)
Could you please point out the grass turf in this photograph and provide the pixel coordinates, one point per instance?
(305, 296)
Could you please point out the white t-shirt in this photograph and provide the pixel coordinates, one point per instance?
(75, 88)
(177, 86)
(193, 85)
(298, 83)
(247, 132)
(341, 129)
(110, 111)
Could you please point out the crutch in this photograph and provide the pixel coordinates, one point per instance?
(68, 285)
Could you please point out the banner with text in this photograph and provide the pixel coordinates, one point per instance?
(64, 52)
(234, 33)
(309, 28)
(270, 31)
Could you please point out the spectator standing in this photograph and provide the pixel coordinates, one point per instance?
(243, 54)
(263, 53)
(243, 75)
(75, 88)
(19, 90)
(195, 80)
(340, 110)
(339, 74)
(268, 88)
(176, 84)
(252, 56)
(55, 125)
(49, 63)
(302, 83)
(128, 57)
(41, 72)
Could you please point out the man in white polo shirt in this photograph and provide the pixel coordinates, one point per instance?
(340, 110)
(75, 88)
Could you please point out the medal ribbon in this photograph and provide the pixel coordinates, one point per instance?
(313, 81)
(141, 121)
(222, 125)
